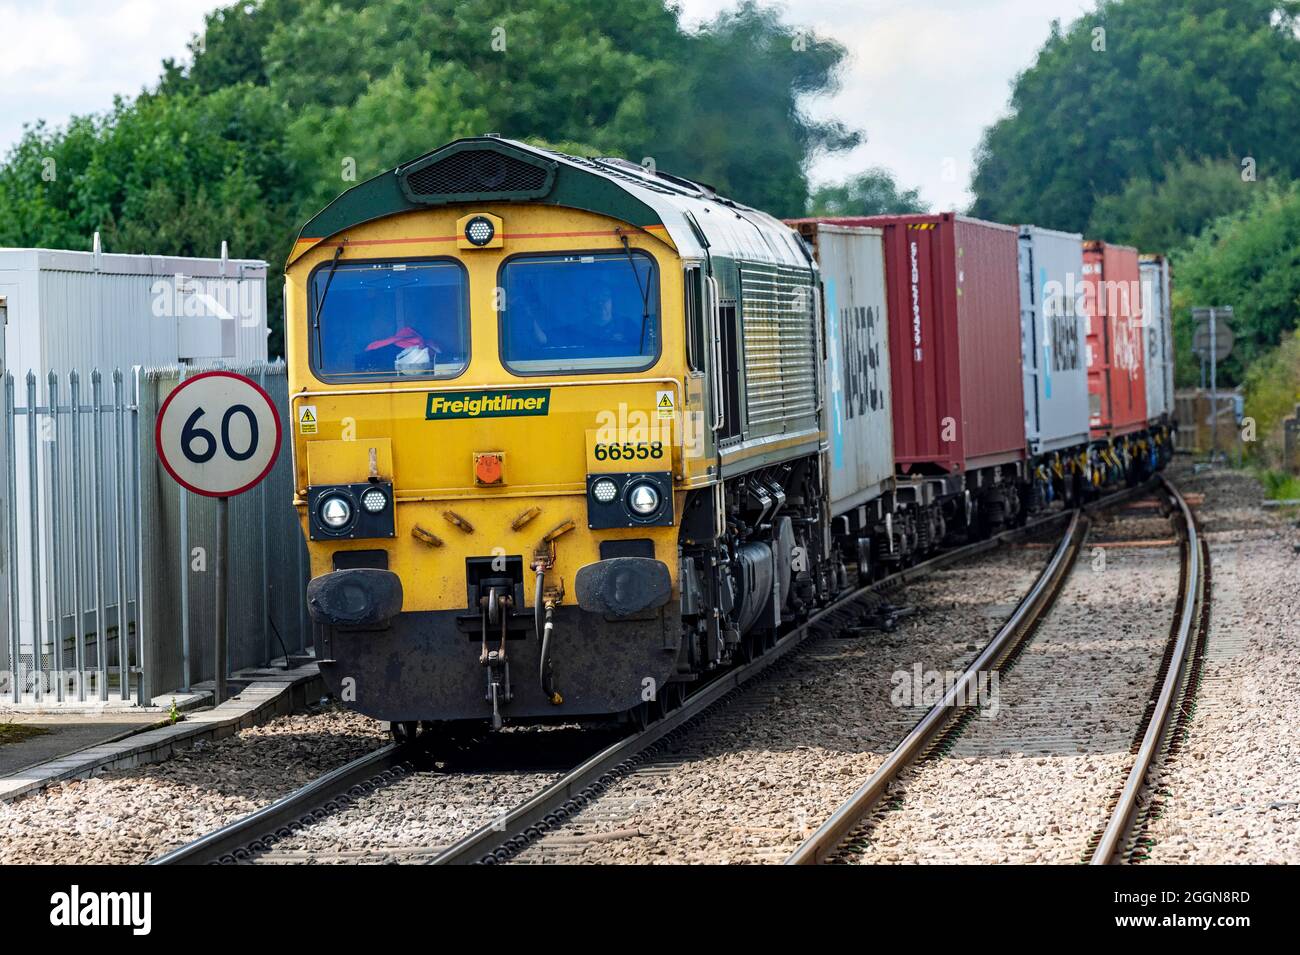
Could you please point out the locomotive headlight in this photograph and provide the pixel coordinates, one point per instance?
(643, 499)
(374, 500)
(480, 231)
(335, 512)
(604, 490)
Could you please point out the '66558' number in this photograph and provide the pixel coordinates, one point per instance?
(629, 451)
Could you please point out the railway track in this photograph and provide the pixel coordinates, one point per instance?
(268, 834)
(1121, 840)
(851, 826)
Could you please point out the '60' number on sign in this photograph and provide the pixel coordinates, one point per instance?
(192, 433)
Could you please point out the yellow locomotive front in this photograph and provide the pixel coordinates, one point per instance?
(490, 387)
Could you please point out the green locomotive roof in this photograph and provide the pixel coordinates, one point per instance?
(492, 169)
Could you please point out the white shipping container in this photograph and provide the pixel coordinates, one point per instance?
(1158, 333)
(87, 310)
(1053, 340)
(859, 413)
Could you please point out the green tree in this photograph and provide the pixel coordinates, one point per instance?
(871, 193)
(289, 102)
(1272, 390)
(1134, 86)
(736, 120)
(1251, 261)
(1162, 214)
(722, 103)
(165, 174)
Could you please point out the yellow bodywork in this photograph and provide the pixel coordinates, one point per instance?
(443, 515)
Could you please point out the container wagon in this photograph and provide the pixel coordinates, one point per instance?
(1052, 340)
(1159, 339)
(1113, 304)
(871, 529)
(955, 364)
(1053, 335)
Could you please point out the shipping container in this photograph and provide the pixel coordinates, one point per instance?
(859, 408)
(1112, 302)
(1052, 338)
(954, 342)
(1159, 337)
(81, 310)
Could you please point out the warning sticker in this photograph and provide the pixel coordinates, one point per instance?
(307, 419)
(664, 406)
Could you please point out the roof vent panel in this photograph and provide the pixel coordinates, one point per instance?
(473, 172)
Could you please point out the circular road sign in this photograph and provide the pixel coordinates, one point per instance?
(218, 434)
(1224, 339)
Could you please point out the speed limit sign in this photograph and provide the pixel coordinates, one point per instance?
(218, 434)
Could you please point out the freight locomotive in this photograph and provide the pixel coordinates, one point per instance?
(569, 434)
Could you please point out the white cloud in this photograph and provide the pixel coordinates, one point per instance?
(68, 57)
(924, 79)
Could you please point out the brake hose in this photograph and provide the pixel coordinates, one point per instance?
(542, 622)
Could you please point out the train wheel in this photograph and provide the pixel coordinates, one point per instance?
(405, 732)
(641, 716)
(670, 698)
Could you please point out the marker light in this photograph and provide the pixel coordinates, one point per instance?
(480, 230)
(643, 500)
(335, 512)
(604, 490)
(374, 501)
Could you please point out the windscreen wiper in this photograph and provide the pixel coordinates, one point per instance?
(644, 291)
(320, 304)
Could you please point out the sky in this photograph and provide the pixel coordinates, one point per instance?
(924, 77)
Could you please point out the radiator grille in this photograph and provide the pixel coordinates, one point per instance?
(780, 340)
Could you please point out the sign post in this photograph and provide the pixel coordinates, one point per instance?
(1212, 342)
(218, 435)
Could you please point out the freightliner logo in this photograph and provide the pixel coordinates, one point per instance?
(488, 404)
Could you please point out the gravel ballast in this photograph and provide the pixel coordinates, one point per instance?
(1232, 791)
(758, 775)
(131, 816)
(1029, 780)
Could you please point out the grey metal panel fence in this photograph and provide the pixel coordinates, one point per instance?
(96, 540)
(71, 559)
(267, 559)
(6, 524)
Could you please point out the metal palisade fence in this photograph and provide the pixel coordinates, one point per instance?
(105, 589)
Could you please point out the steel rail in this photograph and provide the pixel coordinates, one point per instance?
(823, 843)
(243, 837)
(1115, 837)
(230, 843)
(549, 808)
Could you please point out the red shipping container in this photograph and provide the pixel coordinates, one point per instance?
(954, 341)
(1112, 301)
